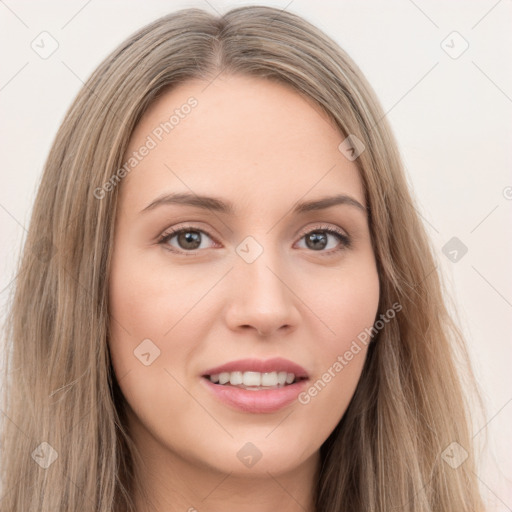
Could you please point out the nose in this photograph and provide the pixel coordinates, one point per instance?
(262, 298)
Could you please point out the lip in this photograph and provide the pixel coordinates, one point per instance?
(275, 364)
(258, 401)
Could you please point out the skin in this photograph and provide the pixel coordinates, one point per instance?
(263, 147)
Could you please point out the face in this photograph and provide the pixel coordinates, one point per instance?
(259, 271)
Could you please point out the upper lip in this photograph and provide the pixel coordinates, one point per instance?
(276, 364)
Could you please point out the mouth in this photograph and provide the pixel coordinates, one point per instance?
(255, 385)
(254, 381)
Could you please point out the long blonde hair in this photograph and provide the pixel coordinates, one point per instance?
(60, 389)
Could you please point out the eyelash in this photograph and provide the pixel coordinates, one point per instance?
(342, 237)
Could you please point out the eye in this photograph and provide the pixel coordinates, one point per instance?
(318, 240)
(187, 239)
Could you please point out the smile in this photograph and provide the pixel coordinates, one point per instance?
(253, 380)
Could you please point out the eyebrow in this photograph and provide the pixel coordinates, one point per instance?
(221, 206)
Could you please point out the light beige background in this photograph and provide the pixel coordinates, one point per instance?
(452, 118)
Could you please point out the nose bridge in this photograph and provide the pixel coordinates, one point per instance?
(258, 269)
(261, 297)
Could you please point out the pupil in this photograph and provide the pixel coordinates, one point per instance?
(317, 240)
(189, 239)
(192, 240)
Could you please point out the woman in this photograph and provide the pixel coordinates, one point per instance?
(226, 298)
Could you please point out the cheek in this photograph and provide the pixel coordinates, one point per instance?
(144, 307)
(347, 307)
(137, 321)
(345, 302)
(155, 329)
(146, 300)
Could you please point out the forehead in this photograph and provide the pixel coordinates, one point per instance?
(255, 141)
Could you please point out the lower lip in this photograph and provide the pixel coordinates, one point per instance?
(260, 401)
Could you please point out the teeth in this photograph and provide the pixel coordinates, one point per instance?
(236, 378)
(253, 379)
(281, 378)
(223, 377)
(269, 379)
